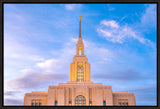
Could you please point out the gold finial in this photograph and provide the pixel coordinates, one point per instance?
(80, 18)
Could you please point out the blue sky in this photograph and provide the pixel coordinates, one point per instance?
(119, 39)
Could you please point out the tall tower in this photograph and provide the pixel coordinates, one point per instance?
(80, 68)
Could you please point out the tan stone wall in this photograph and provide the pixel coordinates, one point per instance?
(51, 95)
(43, 96)
(94, 92)
(60, 96)
(87, 72)
(104, 93)
(117, 96)
(65, 92)
(108, 97)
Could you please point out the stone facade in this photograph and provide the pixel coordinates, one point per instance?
(79, 90)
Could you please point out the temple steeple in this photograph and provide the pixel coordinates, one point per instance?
(80, 45)
(80, 26)
(80, 68)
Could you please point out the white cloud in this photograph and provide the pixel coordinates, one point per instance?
(110, 23)
(110, 8)
(47, 63)
(34, 80)
(50, 65)
(149, 17)
(97, 54)
(20, 52)
(59, 65)
(118, 34)
(106, 33)
(112, 31)
(72, 6)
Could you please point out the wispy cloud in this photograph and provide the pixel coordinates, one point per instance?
(96, 53)
(49, 64)
(116, 33)
(48, 69)
(110, 8)
(35, 80)
(13, 102)
(72, 6)
(143, 99)
(11, 93)
(126, 75)
(111, 23)
(149, 17)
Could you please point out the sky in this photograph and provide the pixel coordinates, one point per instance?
(120, 43)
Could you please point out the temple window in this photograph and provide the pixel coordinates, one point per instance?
(70, 103)
(119, 103)
(80, 100)
(126, 104)
(39, 104)
(80, 77)
(36, 104)
(90, 103)
(32, 104)
(55, 103)
(104, 103)
(122, 104)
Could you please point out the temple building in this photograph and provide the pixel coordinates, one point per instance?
(80, 90)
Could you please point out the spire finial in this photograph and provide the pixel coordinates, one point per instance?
(79, 17)
(79, 25)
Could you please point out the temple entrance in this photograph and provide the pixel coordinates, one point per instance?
(80, 101)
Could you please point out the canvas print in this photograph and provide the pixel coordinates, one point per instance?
(80, 54)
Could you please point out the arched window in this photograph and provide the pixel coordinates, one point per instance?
(80, 75)
(80, 50)
(80, 100)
